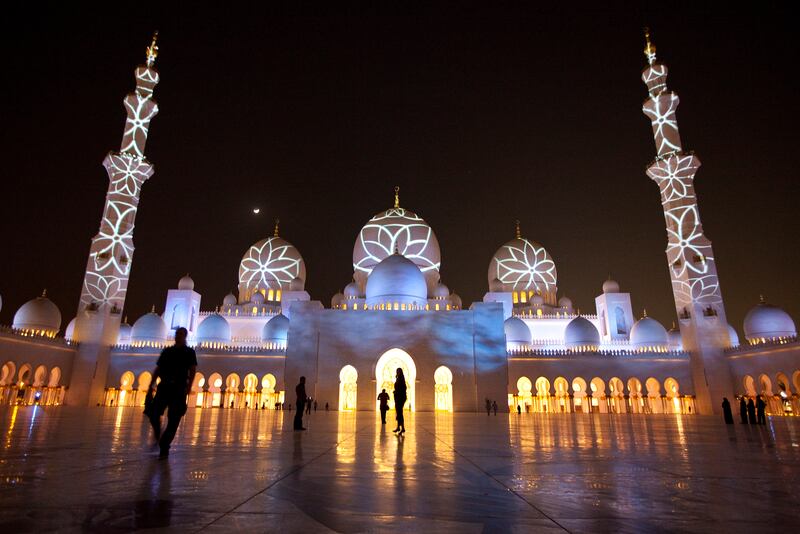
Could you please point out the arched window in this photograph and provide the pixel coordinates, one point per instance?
(619, 316)
(443, 389)
(348, 389)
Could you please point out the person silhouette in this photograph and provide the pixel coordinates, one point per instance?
(761, 407)
(300, 391)
(176, 366)
(519, 409)
(399, 401)
(726, 410)
(751, 412)
(384, 398)
(743, 410)
(488, 406)
(494, 407)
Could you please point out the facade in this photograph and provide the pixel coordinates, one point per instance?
(523, 342)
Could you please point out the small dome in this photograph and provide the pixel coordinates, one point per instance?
(537, 300)
(517, 332)
(441, 291)
(229, 300)
(495, 286)
(397, 279)
(69, 331)
(565, 302)
(186, 283)
(297, 284)
(214, 329)
(257, 298)
(149, 328)
(336, 301)
(733, 335)
(610, 286)
(124, 336)
(647, 333)
(766, 321)
(39, 314)
(674, 339)
(351, 291)
(455, 301)
(581, 334)
(276, 330)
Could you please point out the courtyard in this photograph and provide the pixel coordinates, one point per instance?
(92, 469)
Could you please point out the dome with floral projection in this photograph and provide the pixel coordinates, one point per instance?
(524, 265)
(272, 263)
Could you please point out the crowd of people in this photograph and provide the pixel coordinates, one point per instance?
(751, 413)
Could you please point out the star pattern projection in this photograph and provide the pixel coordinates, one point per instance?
(110, 257)
(523, 265)
(270, 263)
(399, 229)
(689, 252)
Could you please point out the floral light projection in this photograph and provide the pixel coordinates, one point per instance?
(694, 277)
(270, 263)
(111, 253)
(523, 265)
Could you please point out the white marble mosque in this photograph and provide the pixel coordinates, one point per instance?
(524, 342)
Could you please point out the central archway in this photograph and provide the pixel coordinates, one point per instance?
(385, 373)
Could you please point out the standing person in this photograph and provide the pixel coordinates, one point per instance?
(488, 406)
(308, 406)
(384, 398)
(519, 409)
(315, 405)
(399, 401)
(494, 407)
(326, 407)
(726, 410)
(300, 391)
(743, 410)
(761, 408)
(751, 412)
(176, 367)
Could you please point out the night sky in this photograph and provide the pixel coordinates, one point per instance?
(481, 117)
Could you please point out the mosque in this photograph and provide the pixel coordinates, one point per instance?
(524, 342)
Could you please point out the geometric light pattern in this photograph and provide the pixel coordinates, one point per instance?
(521, 265)
(111, 254)
(695, 284)
(396, 229)
(271, 263)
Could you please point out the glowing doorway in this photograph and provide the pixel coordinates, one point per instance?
(385, 371)
(444, 389)
(348, 389)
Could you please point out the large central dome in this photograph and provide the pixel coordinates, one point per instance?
(524, 265)
(401, 230)
(272, 263)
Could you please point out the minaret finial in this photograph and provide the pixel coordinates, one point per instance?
(277, 222)
(153, 309)
(650, 49)
(518, 232)
(644, 311)
(761, 299)
(152, 50)
(44, 293)
(397, 196)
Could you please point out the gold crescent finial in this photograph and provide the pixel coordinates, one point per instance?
(644, 310)
(650, 48)
(44, 293)
(397, 196)
(153, 309)
(761, 299)
(518, 232)
(152, 50)
(277, 222)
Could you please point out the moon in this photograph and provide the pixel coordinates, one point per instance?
(256, 210)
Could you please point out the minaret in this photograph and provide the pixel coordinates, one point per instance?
(110, 255)
(695, 285)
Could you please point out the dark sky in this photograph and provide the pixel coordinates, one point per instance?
(481, 117)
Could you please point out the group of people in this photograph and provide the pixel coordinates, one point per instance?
(491, 406)
(753, 413)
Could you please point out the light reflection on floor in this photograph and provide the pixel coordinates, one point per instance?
(92, 469)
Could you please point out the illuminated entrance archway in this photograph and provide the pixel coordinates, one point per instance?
(385, 371)
(348, 389)
(444, 389)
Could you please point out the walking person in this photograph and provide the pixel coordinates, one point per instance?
(751, 412)
(494, 407)
(383, 397)
(315, 405)
(399, 401)
(488, 406)
(743, 411)
(176, 366)
(726, 410)
(308, 406)
(300, 391)
(761, 411)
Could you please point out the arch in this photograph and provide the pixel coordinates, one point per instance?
(672, 387)
(796, 381)
(24, 374)
(55, 377)
(765, 385)
(619, 318)
(636, 400)
(673, 396)
(250, 382)
(561, 387)
(126, 380)
(348, 389)
(144, 381)
(749, 386)
(7, 376)
(634, 386)
(617, 396)
(597, 387)
(232, 382)
(198, 382)
(443, 379)
(783, 387)
(385, 370)
(616, 386)
(231, 397)
(40, 376)
(524, 395)
(215, 389)
(542, 387)
(653, 387)
(268, 383)
(579, 394)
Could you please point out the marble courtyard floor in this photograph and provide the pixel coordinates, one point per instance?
(90, 469)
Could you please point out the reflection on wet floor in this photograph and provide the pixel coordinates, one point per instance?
(93, 469)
